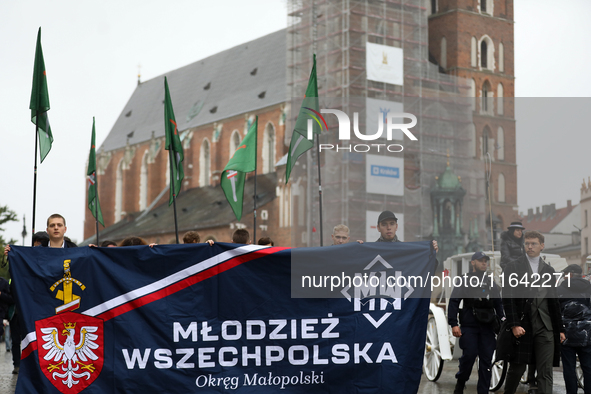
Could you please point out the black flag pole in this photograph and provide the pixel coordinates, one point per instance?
(96, 203)
(319, 187)
(176, 227)
(314, 45)
(35, 176)
(254, 230)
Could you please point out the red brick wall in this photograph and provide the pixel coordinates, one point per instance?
(220, 154)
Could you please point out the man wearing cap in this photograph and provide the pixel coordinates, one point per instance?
(387, 226)
(533, 313)
(573, 294)
(512, 243)
(477, 319)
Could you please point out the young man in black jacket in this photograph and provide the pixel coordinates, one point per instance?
(574, 295)
(478, 317)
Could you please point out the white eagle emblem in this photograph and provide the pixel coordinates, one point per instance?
(70, 355)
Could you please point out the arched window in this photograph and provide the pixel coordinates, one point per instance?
(472, 136)
(501, 57)
(486, 54)
(205, 164)
(473, 52)
(269, 149)
(119, 192)
(443, 60)
(485, 142)
(501, 188)
(234, 141)
(501, 144)
(500, 101)
(486, 6)
(472, 94)
(143, 203)
(486, 98)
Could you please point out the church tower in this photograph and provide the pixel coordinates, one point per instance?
(473, 39)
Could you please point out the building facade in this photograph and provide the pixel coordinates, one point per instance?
(215, 99)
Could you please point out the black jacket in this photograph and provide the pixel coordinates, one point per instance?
(469, 294)
(69, 244)
(5, 298)
(576, 311)
(511, 248)
(517, 303)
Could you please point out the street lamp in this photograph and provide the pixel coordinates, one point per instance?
(24, 233)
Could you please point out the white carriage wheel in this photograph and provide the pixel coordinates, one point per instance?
(432, 361)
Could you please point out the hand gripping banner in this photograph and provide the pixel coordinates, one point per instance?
(214, 319)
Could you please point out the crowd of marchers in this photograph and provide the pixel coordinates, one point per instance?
(530, 328)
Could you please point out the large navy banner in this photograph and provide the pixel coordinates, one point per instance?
(200, 318)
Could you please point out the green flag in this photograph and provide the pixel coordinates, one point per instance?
(308, 116)
(93, 200)
(243, 160)
(40, 101)
(173, 142)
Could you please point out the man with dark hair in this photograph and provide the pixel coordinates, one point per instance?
(266, 241)
(191, 237)
(40, 238)
(533, 313)
(108, 244)
(241, 236)
(56, 229)
(387, 226)
(478, 317)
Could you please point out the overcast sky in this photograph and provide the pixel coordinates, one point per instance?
(92, 51)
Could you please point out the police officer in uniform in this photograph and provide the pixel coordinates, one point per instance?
(478, 320)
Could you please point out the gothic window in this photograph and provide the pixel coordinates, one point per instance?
(483, 54)
(119, 191)
(485, 141)
(269, 149)
(234, 142)
(472, 94)
(501, 144)
(205, 164)
(501, 57)
(487, 95)
(500, 102)
(501, 188)
(433, 6)
(473, 52)
(443, 60)
(486, 53)
(144, 182)
(472, 136)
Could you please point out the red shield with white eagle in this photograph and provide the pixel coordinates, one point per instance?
(71, 350)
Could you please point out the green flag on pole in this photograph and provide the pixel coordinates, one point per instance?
(173, 142)
(307, 117)
(40, 101)
(244, 160)
(93, 200)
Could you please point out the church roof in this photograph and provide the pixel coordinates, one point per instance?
(198, 208)
(238, 80)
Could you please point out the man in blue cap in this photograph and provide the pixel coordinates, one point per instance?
(478, 318)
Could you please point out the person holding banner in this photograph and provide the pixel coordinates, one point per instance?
(387, 226)
(482, 305)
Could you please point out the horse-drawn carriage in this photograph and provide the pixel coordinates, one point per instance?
(440, 342)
